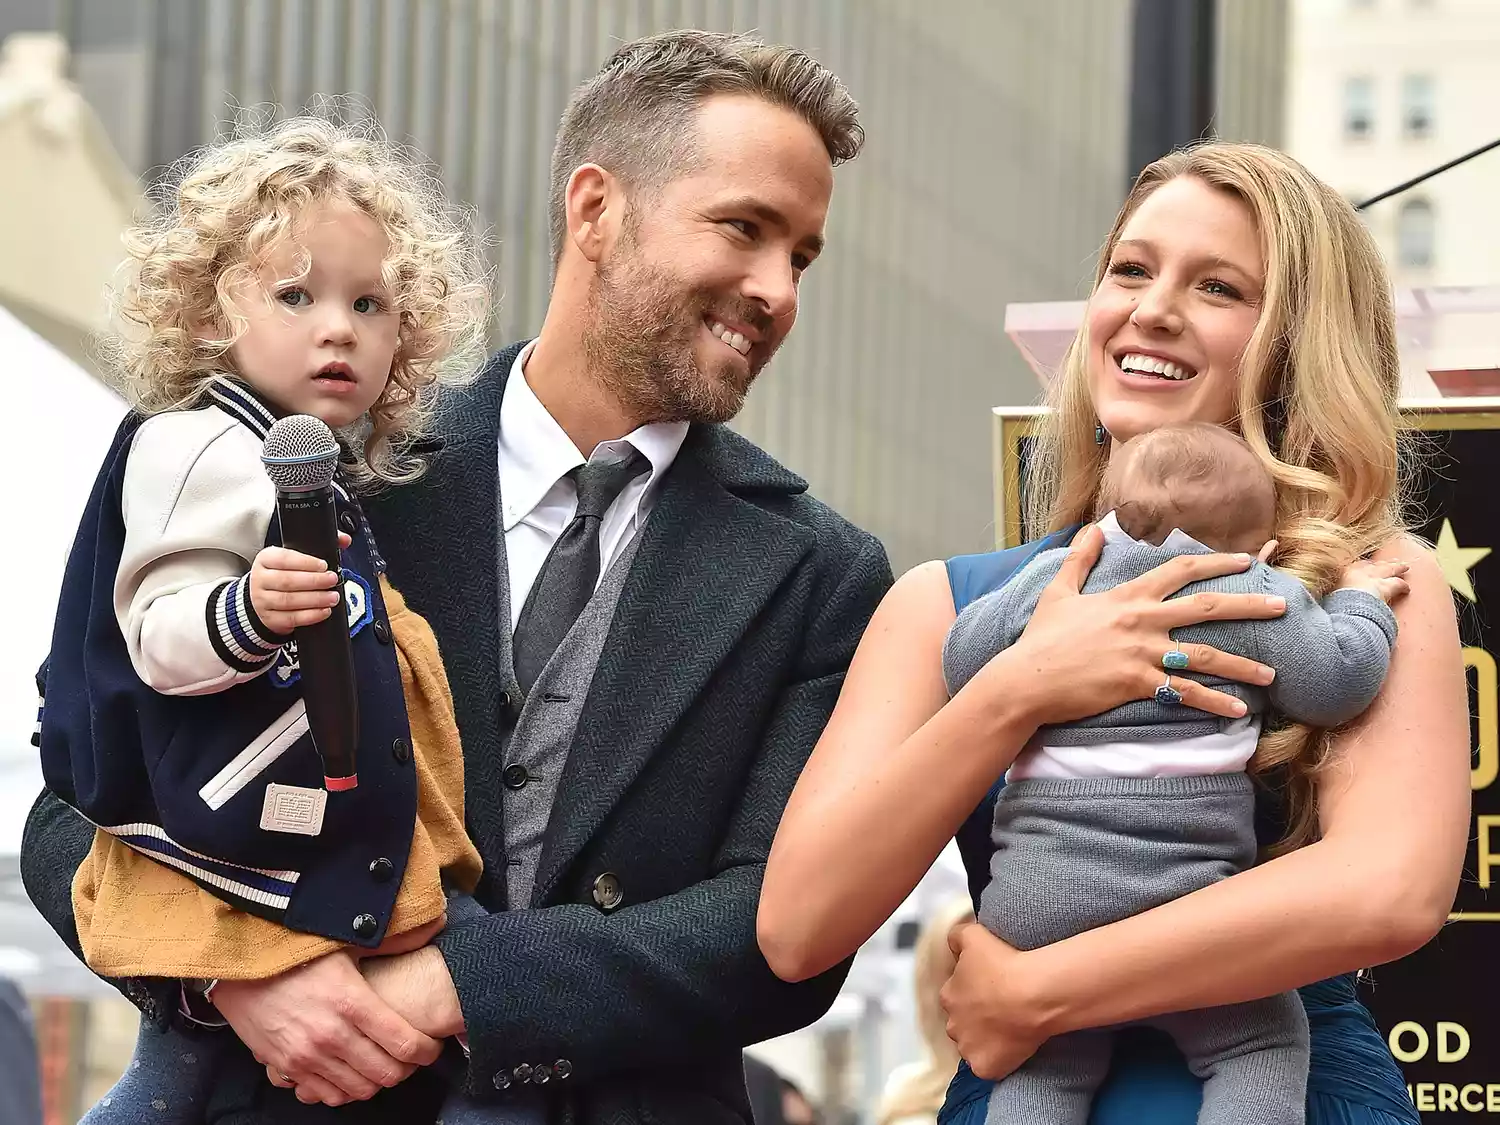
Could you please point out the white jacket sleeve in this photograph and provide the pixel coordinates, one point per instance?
(196, 503)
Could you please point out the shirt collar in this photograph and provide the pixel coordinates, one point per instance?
(535, 452)
(1177, 541)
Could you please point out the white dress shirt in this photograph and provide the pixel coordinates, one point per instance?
(538, 499)
(1226, 751)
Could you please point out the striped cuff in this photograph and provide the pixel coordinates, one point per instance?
(239, 636)
(36, 734)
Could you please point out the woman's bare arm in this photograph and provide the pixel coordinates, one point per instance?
(894, 775)
(900, 767)
(1395, 817)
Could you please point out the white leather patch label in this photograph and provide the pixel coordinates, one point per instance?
(290, 808)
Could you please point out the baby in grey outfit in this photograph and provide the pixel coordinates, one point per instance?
(1120, 812)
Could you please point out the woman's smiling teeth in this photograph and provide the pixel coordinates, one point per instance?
(1150, 365)
(734, 339)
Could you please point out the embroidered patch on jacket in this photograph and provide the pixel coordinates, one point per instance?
(359, 602)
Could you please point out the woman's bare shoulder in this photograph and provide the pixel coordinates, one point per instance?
(923, 593)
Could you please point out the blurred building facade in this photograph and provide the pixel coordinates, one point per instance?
(1383, 90)
(996, 159)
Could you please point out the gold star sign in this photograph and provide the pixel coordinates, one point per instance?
(1457, 561)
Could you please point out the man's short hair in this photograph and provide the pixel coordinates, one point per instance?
(635, 117)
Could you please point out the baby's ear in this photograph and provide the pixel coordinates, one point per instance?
(1268, 552)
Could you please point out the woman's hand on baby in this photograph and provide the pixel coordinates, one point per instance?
(289, 589)
(1385, 579)
(1082, 654)
(992, 1017)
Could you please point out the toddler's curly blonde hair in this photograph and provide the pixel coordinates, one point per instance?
(223, 210)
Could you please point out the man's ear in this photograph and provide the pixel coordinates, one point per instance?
(593, 204)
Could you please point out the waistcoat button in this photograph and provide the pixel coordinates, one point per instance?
(382, 869)
(365, 926)
(401, 751)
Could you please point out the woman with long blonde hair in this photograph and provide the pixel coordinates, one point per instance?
(1234, 288)
(914, 1093)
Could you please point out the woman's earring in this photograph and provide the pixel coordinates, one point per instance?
(1100, 433)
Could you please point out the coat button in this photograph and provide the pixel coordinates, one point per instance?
(505, 700)
(607, 891)
(382, 869)
(515, 777)
(365, 926)
(382, 632)
(346, 523)
(561, 1068)
(401, 751)
(541, 1074)
(522, 1073)
(501, 1081)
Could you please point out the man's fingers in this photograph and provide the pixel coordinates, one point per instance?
(1177, 612)
(310, 1090)
(397, 1038)
(1083, 553)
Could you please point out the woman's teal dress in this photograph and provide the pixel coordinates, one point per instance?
(1352, 1080)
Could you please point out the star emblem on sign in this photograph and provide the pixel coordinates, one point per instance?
(1457, 561)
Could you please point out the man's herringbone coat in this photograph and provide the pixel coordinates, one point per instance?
(723, 662)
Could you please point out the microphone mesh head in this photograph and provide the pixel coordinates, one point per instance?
(300, 453)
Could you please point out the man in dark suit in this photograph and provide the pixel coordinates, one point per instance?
(645, 621)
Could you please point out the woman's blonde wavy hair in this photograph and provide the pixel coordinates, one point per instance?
(1316, 401)
(917, 1092)
(221, 211)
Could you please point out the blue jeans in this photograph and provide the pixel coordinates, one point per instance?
(172, 1073)
(168, 1080)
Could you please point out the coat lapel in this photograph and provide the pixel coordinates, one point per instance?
(708, 563)
(442, 540)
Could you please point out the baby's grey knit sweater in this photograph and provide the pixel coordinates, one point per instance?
(1330, 659)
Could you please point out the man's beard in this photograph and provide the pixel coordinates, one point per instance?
(640, 341)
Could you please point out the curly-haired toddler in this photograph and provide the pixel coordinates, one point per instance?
(301, 266)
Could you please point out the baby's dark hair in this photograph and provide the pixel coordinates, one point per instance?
(1195, 476)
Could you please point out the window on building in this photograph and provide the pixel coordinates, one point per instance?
(1359, 108)
(1415, 233)
(1416, 105)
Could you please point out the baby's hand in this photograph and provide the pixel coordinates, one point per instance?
(1383, 579)
(288, 588)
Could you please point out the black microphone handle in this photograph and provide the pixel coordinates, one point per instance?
(323, 651)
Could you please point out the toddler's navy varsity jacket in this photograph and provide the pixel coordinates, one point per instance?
(173, 719)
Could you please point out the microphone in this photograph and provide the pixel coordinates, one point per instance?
(300, 455)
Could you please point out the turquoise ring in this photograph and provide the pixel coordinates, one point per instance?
(1167, 695)
(1175, 660)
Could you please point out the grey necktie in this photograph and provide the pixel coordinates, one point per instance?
(571, 571)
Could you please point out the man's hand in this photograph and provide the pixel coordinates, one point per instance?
(321, 1028)
(995, 1024)
(418, 987)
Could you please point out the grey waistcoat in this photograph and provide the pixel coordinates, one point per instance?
(540, 739)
